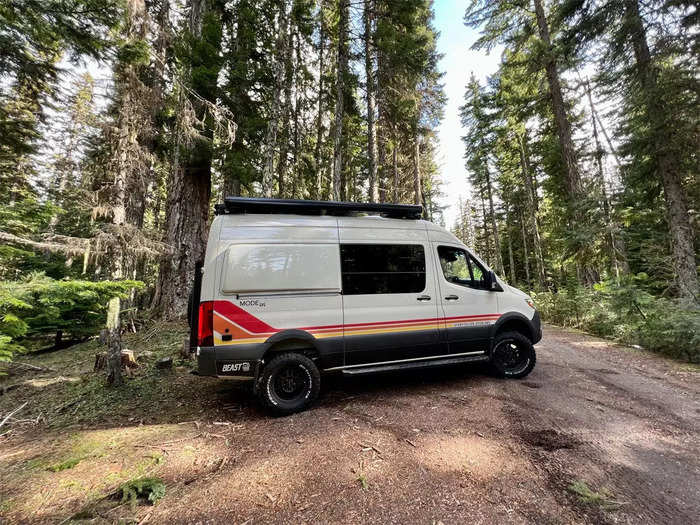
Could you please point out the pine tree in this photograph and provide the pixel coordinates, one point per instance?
(660, 110)
(189, 185)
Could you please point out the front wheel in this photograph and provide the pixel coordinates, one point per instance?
(289, 383)
(513, 355)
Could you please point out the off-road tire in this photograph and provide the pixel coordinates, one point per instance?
(526, 353)
(270, 389)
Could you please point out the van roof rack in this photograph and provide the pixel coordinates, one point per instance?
(303, 207)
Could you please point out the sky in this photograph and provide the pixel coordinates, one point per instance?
(458, 62)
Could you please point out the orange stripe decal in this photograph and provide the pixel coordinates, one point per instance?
(232, 320)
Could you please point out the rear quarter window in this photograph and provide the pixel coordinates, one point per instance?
(250, 268)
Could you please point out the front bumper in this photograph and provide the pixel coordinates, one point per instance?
(536, 328)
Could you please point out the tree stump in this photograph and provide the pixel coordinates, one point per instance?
(185, 349)
(127, 358)
(165, 363)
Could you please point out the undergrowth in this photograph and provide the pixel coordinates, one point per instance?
(82, 396)
(627, 313)
(151, 489)
(602, 498)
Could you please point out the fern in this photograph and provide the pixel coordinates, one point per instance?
(149, 488)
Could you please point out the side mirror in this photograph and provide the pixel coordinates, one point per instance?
(492, 282)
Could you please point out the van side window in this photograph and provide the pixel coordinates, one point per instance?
(461, 268)
(382, 268)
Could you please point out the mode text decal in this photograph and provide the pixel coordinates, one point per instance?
(257, 303)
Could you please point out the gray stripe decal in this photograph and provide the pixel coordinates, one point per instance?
(369, 365)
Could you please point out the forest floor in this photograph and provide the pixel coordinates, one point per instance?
(598, 433)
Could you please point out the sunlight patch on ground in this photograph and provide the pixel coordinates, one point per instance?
(44, 382)
(480, 457)
(591, 344)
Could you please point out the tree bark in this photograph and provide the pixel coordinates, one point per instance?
(283, 162)
(511, 261)
(271, 136)
(494, 224)
(371, 102)
(526, 255)
(417, 180)
(395, 168)
(573, 176)
(128, 165)
(680, 229)
(617, 255)
(485, 228)
(341, 78)
(318, 165)
(532, 201)
(189, 187)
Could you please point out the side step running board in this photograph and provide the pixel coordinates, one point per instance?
(415, 365)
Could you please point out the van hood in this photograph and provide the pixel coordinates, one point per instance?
(517, 292)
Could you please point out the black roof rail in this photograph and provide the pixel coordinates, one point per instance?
(303, 207)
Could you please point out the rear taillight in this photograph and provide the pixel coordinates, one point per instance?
(205, 330)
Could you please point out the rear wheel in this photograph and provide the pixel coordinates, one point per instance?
(513, 355)
(289, 383)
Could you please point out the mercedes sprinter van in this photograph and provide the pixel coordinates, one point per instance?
(290, 290)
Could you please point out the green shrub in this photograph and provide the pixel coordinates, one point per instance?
(151, 489)
(42, 305)
(11, 324)
(627, 313)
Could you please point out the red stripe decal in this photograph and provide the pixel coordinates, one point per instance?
(242, 318)
(254, 325)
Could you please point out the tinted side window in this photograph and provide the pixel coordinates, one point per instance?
(461, 268)
(478, 274)
(455, 265)
(382, 268)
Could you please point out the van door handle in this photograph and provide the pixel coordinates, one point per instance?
(423, 298)
(451, 298)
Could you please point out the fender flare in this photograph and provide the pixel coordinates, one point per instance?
(508, 317)
(306, 339)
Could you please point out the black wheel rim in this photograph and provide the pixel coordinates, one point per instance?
(291, 382)
(511, 356)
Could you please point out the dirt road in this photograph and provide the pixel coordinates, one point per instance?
(468, 447)
(620, 427)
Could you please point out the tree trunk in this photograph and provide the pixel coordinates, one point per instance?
(271, 136)
(341, 78)
(300, 89)
(573, 176)
(318, 165)
(532, 201)
(371, 128)
(417, 182)
(125, 157)
(572, 179)
(189, 187)
(616, 253)
(485, 228)
(526, 256)
(679, 225)
(114, 344)
(511, 261)
(395, 168)
(283, 162)
(381, 126)
(494, 224)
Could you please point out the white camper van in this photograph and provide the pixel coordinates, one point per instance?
(292, 289)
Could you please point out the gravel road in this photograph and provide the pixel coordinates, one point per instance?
(458, 445)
